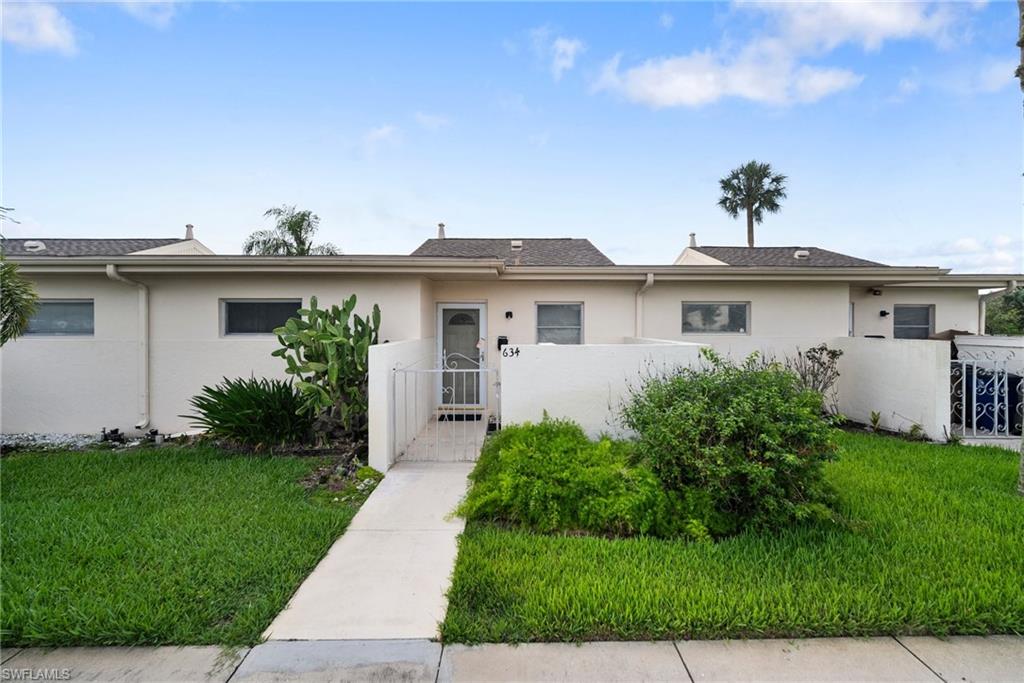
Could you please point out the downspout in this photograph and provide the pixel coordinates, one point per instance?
(638, 324)
(143, 350)
(985, 298)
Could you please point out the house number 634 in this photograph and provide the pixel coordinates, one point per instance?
(509, 351)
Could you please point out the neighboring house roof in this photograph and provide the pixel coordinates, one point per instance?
(29, 246)
(781, 257)
(552, 251)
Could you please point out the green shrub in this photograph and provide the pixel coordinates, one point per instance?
(260, 413)
(327, 350)
(749, 436)
(550, 477)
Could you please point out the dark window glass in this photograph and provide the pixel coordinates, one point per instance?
(559, 323)
(257, 317)
(711, 318)
(912, 321)
(62, 318)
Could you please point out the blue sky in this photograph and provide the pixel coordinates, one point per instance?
(899, 125)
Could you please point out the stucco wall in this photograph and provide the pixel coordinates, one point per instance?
(83, 384)
(776, 310)
(391, 429)
(583, 383)
(956, 308)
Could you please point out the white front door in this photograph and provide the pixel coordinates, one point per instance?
(461, 346)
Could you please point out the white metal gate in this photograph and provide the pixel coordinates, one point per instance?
(443, 414)
(987, 398)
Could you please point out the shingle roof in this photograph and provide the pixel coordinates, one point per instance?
(554, 251)
(82, 247)
(783, 257)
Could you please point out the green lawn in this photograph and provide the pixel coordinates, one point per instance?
(156, 546)
(933, 543)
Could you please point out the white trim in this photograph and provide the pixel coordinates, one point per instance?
(439, 357)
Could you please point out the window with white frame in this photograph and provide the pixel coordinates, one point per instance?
(256, 316)
(714, 317)
(559, 323)
(63, 317)
(913, 321)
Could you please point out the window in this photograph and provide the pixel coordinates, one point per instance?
(716, 318)
(62, 317)
(851, 323)
(559, 323)
(255, 316)
(913, 321)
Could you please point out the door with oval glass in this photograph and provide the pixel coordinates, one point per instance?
(461, 347)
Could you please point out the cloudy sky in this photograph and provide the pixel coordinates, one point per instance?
(899, 125)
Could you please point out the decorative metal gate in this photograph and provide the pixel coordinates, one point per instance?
(987, 398)
(443, 414)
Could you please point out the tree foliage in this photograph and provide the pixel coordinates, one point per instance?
(1005, 315)
(754, 188)
(18, 301)
(292, 235)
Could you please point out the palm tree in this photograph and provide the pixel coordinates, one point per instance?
(292, 235)
(18, 300)
(755, 188)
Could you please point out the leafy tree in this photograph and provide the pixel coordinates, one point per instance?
(752, 188)
(1005, 314)
(17, 301)
(292, 235)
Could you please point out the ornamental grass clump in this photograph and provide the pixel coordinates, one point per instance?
(751, 437)
(258, 413)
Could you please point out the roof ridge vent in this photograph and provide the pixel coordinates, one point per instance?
(802, 254)
(34, 246)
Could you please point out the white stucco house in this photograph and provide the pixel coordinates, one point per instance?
(129, 329)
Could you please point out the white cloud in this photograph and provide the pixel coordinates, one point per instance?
(38, 27)
(559, 51)
(826, 25)
(762, 72)
(666, 21)
(385, 135)
(431, 121)
(154, 13)
(908, 86)
(998, 254)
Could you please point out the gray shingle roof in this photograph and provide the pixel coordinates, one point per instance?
(552, 251)
(783, 257)
(82, 247)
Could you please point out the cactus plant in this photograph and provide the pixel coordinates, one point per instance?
(327, 351)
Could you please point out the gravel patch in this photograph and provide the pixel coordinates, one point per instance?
(48, 442)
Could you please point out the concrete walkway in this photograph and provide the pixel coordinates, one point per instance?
(387, 576)
(965, 658)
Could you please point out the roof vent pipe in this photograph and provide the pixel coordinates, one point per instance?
(440, 231)
(693, 240)
(188, 232)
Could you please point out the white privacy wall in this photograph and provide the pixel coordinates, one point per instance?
(905, 380)
(390, 429)
(586, 384)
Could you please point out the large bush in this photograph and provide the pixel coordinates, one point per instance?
(749, 436)
(551, 477)
(260, 413)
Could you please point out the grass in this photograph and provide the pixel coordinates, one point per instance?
(157, 546)
(933, 544)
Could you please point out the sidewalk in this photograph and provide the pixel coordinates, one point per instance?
(961, 658)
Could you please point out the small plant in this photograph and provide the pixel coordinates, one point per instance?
(327, 351)
(916, 432)
(259, 413)
(818, 370)
(550, 477)
(876, 420)
(751, 437)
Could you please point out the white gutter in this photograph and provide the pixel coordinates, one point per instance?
(985, 298)
(638, 323)
(143, 350)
